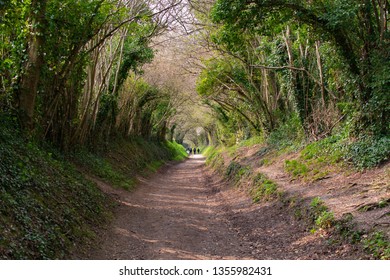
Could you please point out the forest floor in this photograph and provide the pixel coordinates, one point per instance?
(185, 211)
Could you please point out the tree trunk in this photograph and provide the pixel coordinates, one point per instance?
(319, 64)
(30, 78)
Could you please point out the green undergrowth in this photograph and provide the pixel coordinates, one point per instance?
(263, 189)
(314, 213)
(214, 158)
(378, 245)
(235, 172)
(290, 136)
(101, 167)
(252, 141)
(177, 151)
(315, 159)
(127, 158)
(368, 152)
(48, 208)
(320, 214)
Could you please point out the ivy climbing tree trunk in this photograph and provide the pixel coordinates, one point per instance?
(31, 73)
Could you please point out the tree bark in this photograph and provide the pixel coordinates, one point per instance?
(319, 64)
(30, 78)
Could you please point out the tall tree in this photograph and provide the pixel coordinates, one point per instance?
(32, 69)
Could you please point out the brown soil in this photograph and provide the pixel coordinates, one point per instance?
(344, 191)
(186, 212)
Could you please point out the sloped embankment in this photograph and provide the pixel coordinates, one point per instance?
(335, 201)
(48, 209)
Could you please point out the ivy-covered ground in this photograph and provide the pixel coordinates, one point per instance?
(48, 209)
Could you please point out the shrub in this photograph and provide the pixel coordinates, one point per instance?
(325, 219)
(289, 134)
(331, 149)
(320, 214)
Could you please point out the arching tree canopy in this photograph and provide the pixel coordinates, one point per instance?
(74, 72)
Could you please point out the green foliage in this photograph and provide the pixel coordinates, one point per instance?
(233, 169)
(345, 227)
(320, 214)
(263, 189)
(48, 207)
(378, 244)
(375, 112)
(215, 159)
(102, 168)
(252, 141)
(273, 34)
(324, 220)
(155, 165)
(13, 33)
(236, 171)
(317, 157)
(296, 168)
(178, 152)
(128, 157)
(288, 135)
(368, 152)
(83, 67)
(331, 149)
(208, 151)
(136, 53)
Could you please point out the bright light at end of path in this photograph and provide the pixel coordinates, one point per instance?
(197, 156)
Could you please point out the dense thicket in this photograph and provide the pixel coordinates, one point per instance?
(70, 69)
(318, 67)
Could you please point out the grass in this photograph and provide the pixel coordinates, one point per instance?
(104, 169)
(235, 172)
(214, 158)
(252, 141)
(263, 189)
(155, 165)
(125, 159)
(296, 168)
(317, 159)
(178, 152)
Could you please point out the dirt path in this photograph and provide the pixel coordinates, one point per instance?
(185, 212)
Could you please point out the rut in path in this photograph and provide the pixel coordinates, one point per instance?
(184, 212)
